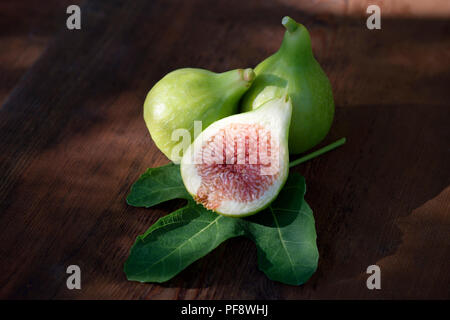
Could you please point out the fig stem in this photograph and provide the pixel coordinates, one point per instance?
(317, 153)
(248, 75)
(289, 24)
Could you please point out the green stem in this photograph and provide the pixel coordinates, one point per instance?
(289, 24)
(317, 153)
(248, 75)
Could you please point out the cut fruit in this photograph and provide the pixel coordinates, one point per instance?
(238, 165)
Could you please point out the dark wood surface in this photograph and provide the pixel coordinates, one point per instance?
(73, 140)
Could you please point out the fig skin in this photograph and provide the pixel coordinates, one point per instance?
(187, 95)
(294, 68)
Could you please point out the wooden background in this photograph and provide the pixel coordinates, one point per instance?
(73, 140)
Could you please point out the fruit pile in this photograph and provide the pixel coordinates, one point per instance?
(238, 164)
(235, 164)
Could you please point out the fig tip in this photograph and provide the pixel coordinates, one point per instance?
(289, 24)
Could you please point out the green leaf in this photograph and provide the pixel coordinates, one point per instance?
(284, 233)
(177, 240)
(157, 185)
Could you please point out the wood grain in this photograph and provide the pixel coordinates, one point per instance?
(26, 28)
(73, 141)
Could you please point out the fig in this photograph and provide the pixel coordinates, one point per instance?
(238, 165)
(294, 68)
(186, 95)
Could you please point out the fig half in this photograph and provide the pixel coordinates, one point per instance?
(238, 165)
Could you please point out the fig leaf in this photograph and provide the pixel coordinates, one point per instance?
(284, 233)
(157, 185)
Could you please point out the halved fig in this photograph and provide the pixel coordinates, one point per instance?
(238, 165)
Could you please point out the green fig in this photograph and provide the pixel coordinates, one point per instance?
(294, 68)
(238, 165)
(187, 95)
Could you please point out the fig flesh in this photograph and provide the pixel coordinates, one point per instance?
(238, 165)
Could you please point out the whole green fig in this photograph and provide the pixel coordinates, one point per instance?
(187, 95)
(294, 69)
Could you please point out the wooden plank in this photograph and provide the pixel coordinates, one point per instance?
(73, 141)
(25, 31)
